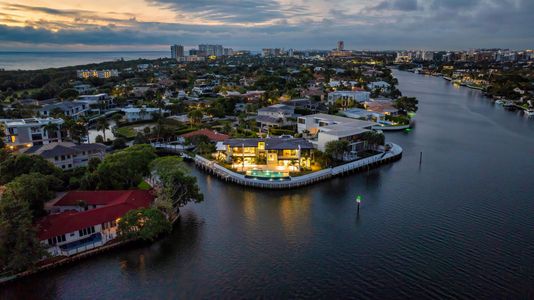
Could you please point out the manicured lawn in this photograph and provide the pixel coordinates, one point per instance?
(127, 132)
(30, 91)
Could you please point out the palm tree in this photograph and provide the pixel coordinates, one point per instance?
(68, 125)
(117, 118)
(195, 116)
(102, 124)
(50, 128)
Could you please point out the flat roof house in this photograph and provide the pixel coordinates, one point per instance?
(83, 220)
(20, 133)
(382, 85)
(328, 128)
(283, 153)
(72, 109)
(347, 98)
(67, 155)
(102, 101)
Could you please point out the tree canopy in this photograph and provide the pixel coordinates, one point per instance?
(16, 165)
(336, 149)
(406, 104)
(19, 247)
(34, 189)
(176, 187)
(144, 223)
(122, 169)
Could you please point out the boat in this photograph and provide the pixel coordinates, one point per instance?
(529, 112)
(499, 102)
(509, 105)
(475, 87)
(447, 78)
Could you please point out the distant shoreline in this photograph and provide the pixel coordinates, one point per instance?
(38, 60)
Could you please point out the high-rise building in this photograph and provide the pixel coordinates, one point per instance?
(209, 50)
(177, 51)
(340, 45)
(272, 52)
(228, 51)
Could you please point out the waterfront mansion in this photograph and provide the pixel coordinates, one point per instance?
(84, 220)
(323, 128)
(284, 154)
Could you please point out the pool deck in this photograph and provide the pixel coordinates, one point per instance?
(395, 153)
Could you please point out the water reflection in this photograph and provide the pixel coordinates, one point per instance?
(294, 212)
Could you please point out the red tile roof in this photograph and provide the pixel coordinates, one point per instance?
(92, 197)
(117, 203)
(214, 136)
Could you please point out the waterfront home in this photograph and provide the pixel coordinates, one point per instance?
(73, 109)
(347, 98)
(278, 115)
(134, 114)
(363, 114)
(381, 85)
(67, 155)
(326, 128)
(20, 133)
(283, 154)
(84, 220)
(381, 106)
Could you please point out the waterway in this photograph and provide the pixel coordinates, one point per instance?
(459, 225)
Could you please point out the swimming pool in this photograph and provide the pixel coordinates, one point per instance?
(267, 174)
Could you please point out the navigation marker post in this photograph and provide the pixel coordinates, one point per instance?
(358, 202)
(420, 157)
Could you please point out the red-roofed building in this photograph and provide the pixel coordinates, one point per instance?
(214, 136)
(88, 219)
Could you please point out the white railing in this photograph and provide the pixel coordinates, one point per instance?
(81, 248)
(228, 175)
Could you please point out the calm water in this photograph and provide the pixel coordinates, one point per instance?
(458, 226)
(43, 60)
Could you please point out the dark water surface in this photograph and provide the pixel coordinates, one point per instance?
(45, 60)
(460, 225)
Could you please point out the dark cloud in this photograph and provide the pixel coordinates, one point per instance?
(433, 24)
(239, 11)
(400, 5)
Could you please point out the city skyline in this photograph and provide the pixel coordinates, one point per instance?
(156, 24)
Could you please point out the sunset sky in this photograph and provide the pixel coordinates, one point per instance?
(253, 24)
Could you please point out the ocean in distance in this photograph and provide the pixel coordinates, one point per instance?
(44, 60)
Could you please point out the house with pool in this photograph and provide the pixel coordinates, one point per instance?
(273, 156)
